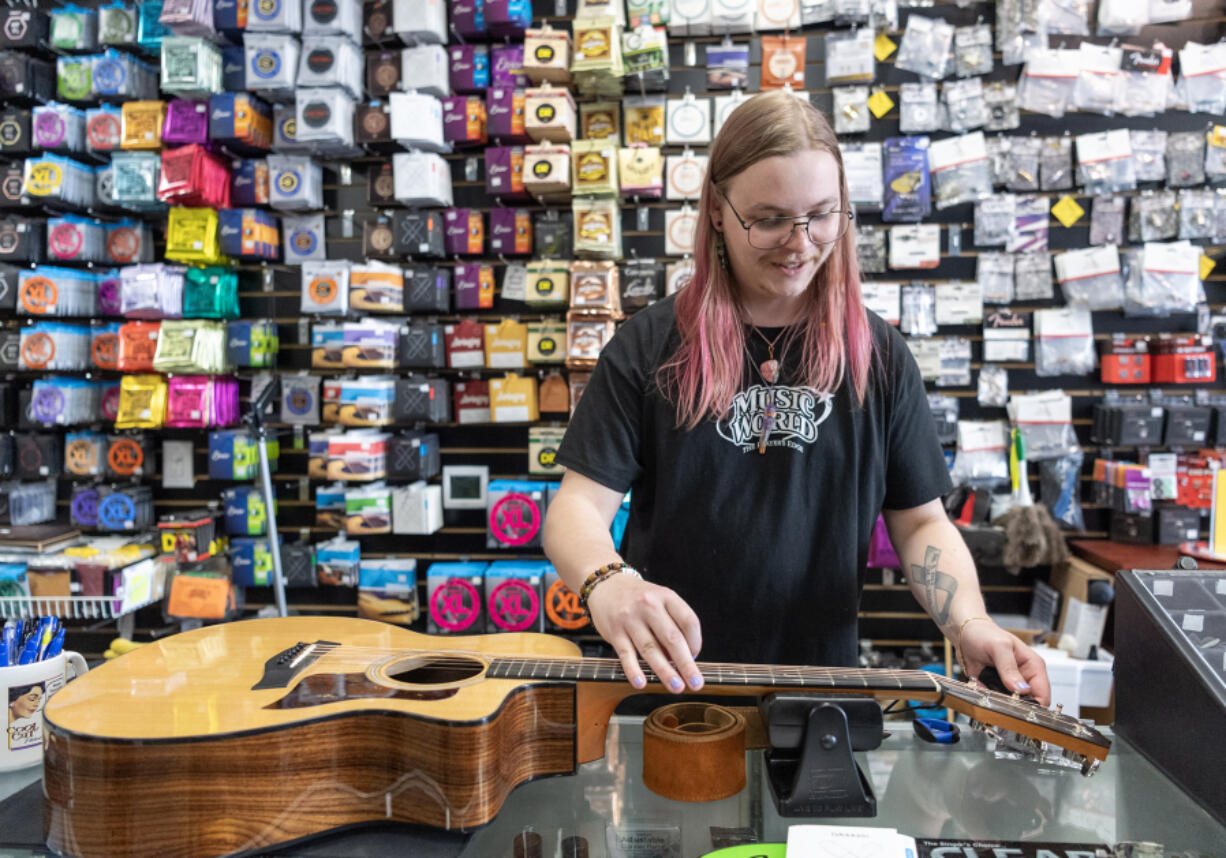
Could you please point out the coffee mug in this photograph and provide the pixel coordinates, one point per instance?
(26, 689)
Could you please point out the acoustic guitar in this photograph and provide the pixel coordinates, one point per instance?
(241, 736)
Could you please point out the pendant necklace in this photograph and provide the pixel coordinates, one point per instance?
(769, 370)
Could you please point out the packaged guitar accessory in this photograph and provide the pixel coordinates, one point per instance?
(1066, 17)
(944, 410)
(1148, 154)
(1147, 83)
(1185, 157)
(1154, 216)
(862, 166)
(1196, 219)
(727, 66)
(783, 62)
(981, 459)
(1059, 487)
(295, 182)
(964, 105)
(851, 114)
(1090, 278)
(300, 399)
(1056, 164)
(1000, 101)
(1064, 342)
(999, 149)
(1023, 172)
(1047, 82)
(907, 190)
(1215, 154)
(972, 50)
(331, 61)
(1121, 17)
(954, 355)
(1099, 80)
(1032, 276)
(919, 310)
(1203, 69)
(59, 126)
(54, 346)
(1170, 279)
(1105, 163)
(994, 273)
(1107, 220)
(994, 220)
(849, 57)
(993, 386)
(118, 74)
(959, 167)
(325, 120)
(925, 44)
(918, 110)
(1045, 421)
(191, 67)
(870, 250)
(74, 29)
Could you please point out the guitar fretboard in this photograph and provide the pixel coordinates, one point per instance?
(779, 676)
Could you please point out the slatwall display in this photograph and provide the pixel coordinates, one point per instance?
(363, 221)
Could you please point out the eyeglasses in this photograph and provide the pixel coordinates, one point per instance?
(769, 233)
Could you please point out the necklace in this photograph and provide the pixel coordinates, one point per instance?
(769, 370)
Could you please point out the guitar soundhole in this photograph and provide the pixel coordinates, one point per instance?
(435, 670)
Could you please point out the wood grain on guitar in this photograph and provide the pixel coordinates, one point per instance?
(237, 737)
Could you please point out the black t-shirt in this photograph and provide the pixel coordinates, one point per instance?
(769, 550)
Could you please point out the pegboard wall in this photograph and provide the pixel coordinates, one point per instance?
(889, 614)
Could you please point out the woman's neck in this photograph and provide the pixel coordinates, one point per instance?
(779, 313)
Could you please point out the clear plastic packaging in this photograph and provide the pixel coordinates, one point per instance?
(1105, 163)
(1122, 17)
(1066, 17)
(954, 354)
(944, 410)
(1000, 99)
(999, 149)
(1107, 220)
(1219, 218)
(1170, 279)
(1047, 82)
(973, 50)
(1215, 154)
(994, 220)
(1056, 163)
(959, 170)
(919, 310)
(851, 115)
(965, 107)
(925, 45)
(994, 273)
(1196, 213)
(1148, 154)
(1090, 277)
(1185, 158)
(1059, 486)
(1064, 342)
(1031, 223)
(870, 250)
(1045, 422)
(1032, 277)
(1023, 172)
(918, 112)
(982, 456)
(1146, 82)
(849, 57)
(993, 386)
(1154, 216)
(1009, 39)
(1099, 79)
(1204, 77)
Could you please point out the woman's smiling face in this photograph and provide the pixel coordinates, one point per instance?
(796, 185)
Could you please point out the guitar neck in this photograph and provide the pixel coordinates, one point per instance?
(727, 677)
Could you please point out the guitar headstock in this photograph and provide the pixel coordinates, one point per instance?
(1022, 726)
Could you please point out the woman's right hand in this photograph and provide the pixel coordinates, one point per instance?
(639, 618)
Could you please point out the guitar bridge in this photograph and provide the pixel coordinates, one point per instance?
(281, 669)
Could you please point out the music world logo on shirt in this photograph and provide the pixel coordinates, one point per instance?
(801, 411)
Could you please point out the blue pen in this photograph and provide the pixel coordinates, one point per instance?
(57, 644)
(53, 626)
(30, 651)
(4, 648)
(12, 642)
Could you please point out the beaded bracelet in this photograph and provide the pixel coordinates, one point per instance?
(600, 575)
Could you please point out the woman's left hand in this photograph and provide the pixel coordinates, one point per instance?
(984, 643)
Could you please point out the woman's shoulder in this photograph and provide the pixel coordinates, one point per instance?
(650, 328)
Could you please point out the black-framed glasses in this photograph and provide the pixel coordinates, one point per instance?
(768, 233)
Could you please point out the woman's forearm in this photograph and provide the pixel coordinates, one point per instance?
(576, 540)
(941, 574)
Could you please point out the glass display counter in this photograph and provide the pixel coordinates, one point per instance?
(924, 790)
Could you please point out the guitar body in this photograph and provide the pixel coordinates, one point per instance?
(169, 751)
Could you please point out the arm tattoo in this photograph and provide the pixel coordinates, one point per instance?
(939, 587)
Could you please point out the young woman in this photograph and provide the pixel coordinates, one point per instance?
(763, 419)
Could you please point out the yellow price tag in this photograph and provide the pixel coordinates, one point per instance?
(883, 46)
(880, 103)
(1206, 266)
(1217, 137)
(1067, 211)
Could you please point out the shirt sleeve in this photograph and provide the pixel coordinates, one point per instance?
(915, 468)
(602, 440)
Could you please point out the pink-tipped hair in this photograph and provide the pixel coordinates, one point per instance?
(705, 373)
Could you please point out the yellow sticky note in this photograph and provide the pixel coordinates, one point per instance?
(1067, 211)
(1217, 137)
(1206, 265)
(883, 46)
(880, 103)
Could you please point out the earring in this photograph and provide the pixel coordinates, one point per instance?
(721, 250)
